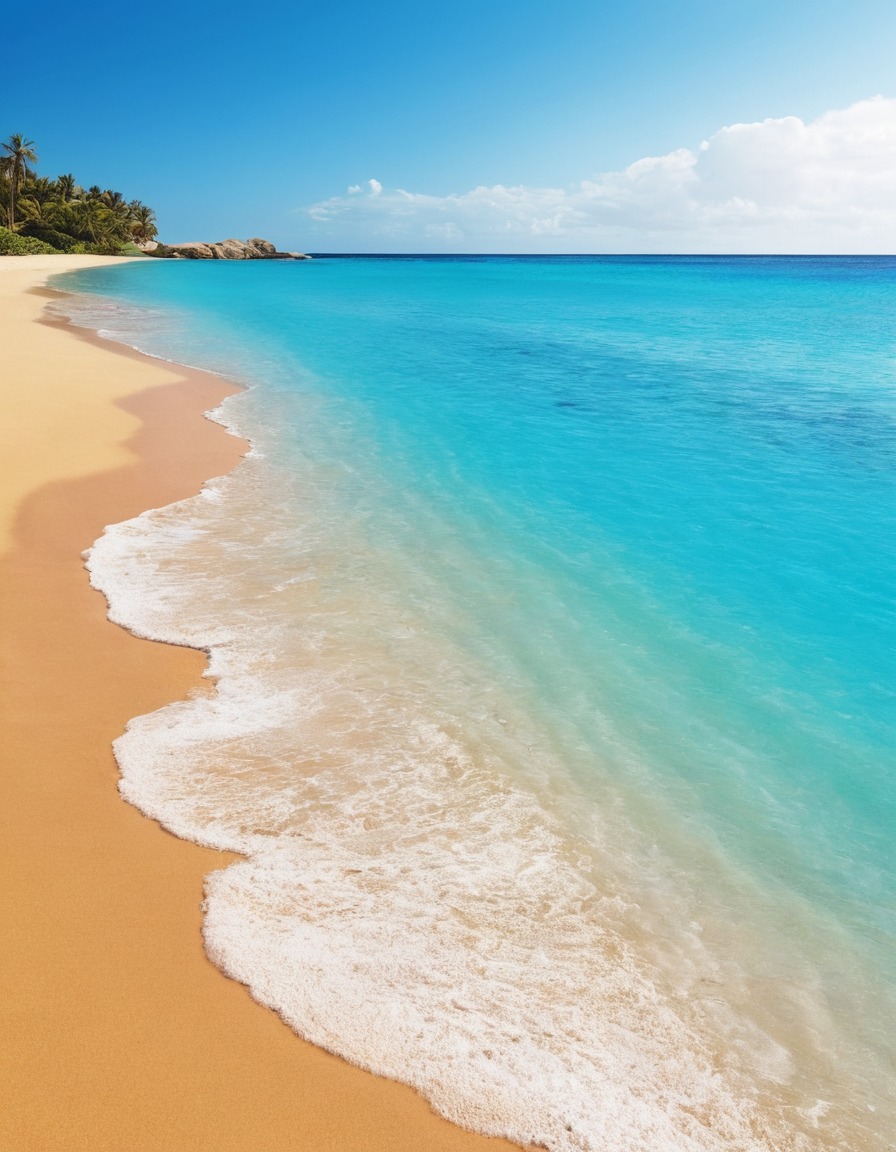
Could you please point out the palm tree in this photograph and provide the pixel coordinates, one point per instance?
(95, 223)
(40, 213)
(20, 153)
(39, 207)
(143, 221)
(88, 220)
(66, 186)
(39, 189)
(60, 211)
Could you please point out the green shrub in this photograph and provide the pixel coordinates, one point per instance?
(61, 241)
(102, 249)
(12, 244)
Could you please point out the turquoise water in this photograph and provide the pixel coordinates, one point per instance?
(552, 615)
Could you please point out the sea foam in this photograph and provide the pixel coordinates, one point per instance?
(405, 903)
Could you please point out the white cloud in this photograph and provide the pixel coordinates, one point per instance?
(780, 185)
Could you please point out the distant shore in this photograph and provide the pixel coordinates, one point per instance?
(118, 1031)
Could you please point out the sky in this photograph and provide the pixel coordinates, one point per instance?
(487, 126)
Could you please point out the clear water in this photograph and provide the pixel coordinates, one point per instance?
(552, 626)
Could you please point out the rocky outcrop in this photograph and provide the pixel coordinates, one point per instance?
(254, 249)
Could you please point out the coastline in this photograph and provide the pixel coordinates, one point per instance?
(119, 1032)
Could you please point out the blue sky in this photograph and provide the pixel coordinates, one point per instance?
(256, 120)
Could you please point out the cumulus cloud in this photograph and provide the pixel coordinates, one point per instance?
(779, 185)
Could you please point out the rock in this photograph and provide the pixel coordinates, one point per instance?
(192, 251)
(263, 247)
(231, 250)
(254, 249)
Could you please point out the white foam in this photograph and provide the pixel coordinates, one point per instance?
(404, 902)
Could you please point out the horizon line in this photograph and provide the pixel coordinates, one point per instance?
(619, 255)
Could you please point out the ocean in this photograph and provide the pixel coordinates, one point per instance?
(551, 636)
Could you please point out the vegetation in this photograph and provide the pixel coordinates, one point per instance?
(11, 244)
(43, 215)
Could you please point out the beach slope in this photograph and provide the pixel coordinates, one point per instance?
(117, 1032)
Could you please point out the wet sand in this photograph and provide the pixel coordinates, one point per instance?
(117, 1032)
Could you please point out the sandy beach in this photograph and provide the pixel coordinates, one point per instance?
(118, 1033)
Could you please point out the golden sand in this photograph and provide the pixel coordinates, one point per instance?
(117, 1033)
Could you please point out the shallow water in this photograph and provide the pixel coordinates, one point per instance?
(551, 617)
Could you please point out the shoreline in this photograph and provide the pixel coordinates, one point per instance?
(119, 1032)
